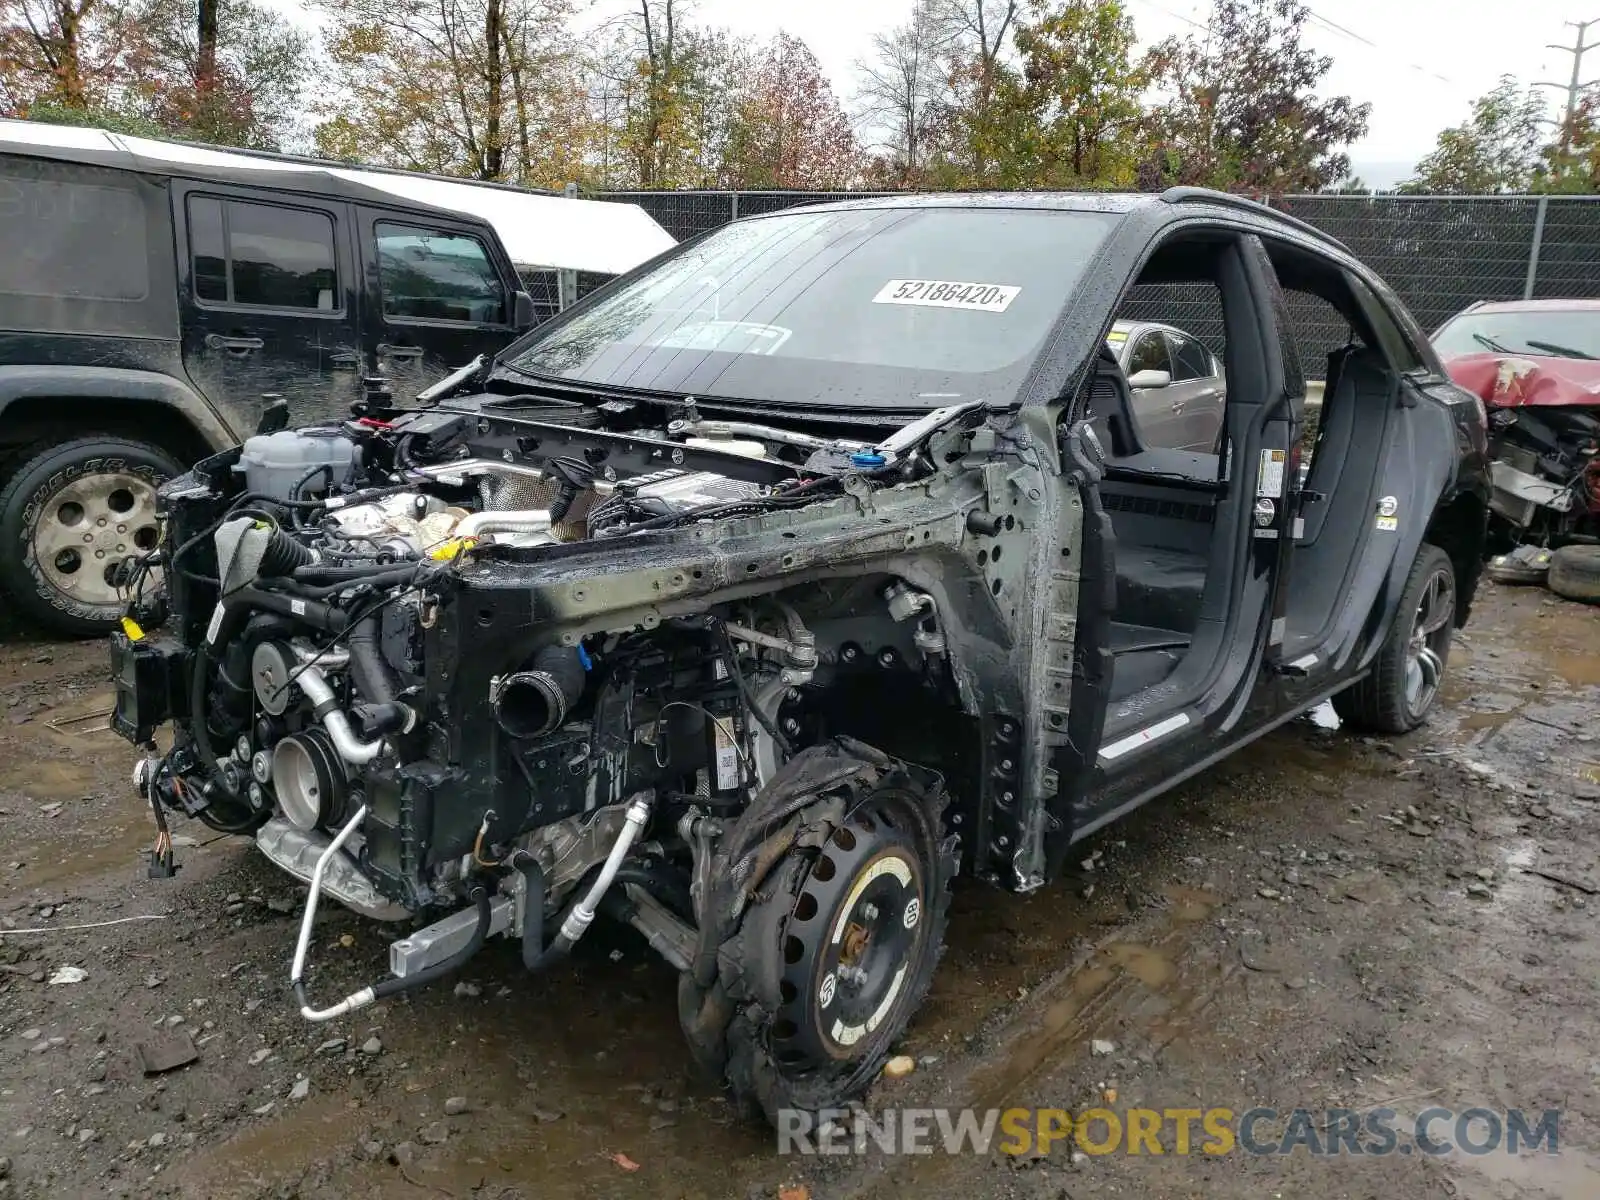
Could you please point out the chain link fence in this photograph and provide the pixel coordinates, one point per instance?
(1440, 253)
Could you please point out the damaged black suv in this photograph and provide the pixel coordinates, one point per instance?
(762, 592)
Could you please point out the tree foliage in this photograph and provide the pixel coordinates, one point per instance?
(1497, 149)
(142, 66)
(1076, 103)
(789, 130)
(489, 89)
(1240, 108)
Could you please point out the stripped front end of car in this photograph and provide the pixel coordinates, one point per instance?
(496, 673)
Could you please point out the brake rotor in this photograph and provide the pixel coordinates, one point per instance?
(851, 944)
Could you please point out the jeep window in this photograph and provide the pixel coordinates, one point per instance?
(885, 307)
(68, 239)
(262, 255)
(431, 275)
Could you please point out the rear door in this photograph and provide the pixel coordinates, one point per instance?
(267, 299)
(439, 292)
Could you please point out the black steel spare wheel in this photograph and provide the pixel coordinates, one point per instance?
(850, 945)
(834, 955)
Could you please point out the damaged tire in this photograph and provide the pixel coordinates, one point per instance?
(835, 950)
(1575, 573)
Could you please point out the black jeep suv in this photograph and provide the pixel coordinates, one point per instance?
(753, 598)
(151, 292)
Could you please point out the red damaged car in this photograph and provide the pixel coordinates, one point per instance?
(1536, 366)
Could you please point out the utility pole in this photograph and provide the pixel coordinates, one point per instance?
(1574, 88)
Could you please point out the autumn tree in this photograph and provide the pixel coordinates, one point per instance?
(788, 130)
(904, 91)
(1497, 149)
(975, 38)
(1240, 109)
(67, 54)
(1076, 108)
(235, 76)
(490, 89)
(1572, 162)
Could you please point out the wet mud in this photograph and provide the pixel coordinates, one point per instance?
(1323, 920)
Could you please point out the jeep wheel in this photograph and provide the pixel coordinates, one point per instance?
(1405, 680)
(836, 951)
(69, 517)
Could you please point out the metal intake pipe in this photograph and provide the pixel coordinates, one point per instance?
(354, 751)
(524, 520)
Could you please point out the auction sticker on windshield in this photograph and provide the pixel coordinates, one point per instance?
(946, 293)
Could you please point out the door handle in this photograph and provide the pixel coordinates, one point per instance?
(1177, 406)
(385, 350)
(345, 361)
(235, 344)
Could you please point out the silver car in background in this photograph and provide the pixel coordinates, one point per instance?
(1177, 384)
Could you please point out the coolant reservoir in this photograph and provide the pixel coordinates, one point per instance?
(274, 464)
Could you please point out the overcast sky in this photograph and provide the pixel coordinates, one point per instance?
(1418, 62)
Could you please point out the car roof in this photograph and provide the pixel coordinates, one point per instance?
(1120, 203)
(1573, 304)
(538, 229)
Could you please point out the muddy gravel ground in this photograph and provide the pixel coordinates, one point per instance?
(1324, 920)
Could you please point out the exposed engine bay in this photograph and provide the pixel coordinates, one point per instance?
(495, 670)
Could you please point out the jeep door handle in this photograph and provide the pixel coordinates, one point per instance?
(233, 345)
(387, 351)
(1177, 406)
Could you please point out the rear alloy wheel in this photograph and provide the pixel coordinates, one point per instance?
(1405, 681)
(70, 518)
(836, 953)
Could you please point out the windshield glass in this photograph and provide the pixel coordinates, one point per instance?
(1572, 334)
(894, 308)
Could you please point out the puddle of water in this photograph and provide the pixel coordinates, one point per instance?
(1150, 967)
(1190, 903)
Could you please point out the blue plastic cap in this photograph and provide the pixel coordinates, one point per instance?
(867, 458)
(583, 658)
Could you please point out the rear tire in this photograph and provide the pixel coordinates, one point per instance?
(69, 515)
(1575, 573)
(1405, 681)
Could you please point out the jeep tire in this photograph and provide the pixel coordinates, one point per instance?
(70, 514)
(1409, 672)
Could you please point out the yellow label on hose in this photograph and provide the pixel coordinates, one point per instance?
(131, 628)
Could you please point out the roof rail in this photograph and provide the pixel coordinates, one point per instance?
(1200, 195)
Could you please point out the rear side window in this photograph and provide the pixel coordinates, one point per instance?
(1189, 360)
(262, 255)
(431, 275)
(70, 239)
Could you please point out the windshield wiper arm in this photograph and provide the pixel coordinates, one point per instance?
(908, 437)
(1560, 351)
(1484, 339)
